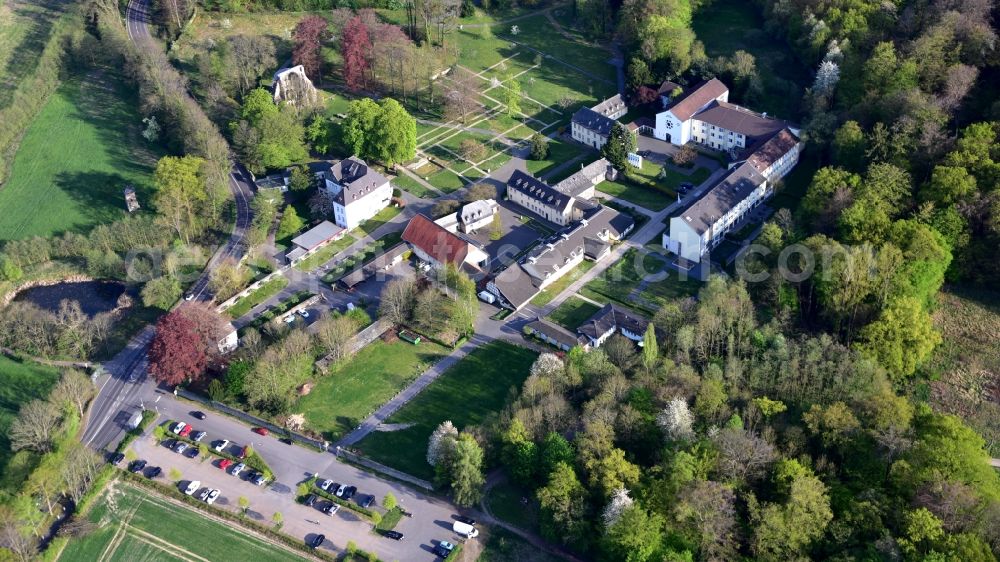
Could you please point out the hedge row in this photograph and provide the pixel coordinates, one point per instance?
(453, 555)
(147, 418)
(173, 492)
(314, 489)
(253, 460)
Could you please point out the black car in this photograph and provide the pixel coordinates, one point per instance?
(685, 186)
(349, 492)
(367, 502)
(116, 458)
(153, 472)
(198, 415)
(466, 520)
(317, 540)
(192, 452)
(311, 500)
(286, 440)
(394, 535)
(136, 466)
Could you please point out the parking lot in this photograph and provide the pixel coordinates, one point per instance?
(431, 522)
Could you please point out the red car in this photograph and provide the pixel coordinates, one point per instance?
(225, 463)
(186, 431)
(260, 430)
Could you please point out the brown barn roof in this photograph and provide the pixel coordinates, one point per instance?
(435, 241)
(772, 149)
(740, 120)
(698, 98)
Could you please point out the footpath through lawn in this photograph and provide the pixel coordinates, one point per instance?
(466, 394)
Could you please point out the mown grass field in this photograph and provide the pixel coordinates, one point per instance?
(135, 525)
(573, 312)
(74, 160)
(548, 293)
(20, 382)
(351, 391)
(619, 280)
(475, 387)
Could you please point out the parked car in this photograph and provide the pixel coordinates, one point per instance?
(331, 508)
(286, 440)
(311, 500)
(340, 490)
(181, 447)
(326, 485)
(368, 501)
(238, 469)
(116, 458)
(289, 319)
(203, 496)
(185, 431)
(258, 479)
(179, 427)
(198, 435)
(394, 535)
(219, 446)
(260, 431)
(443, 549)
(137, 465)
(154, 472)
(225, 463)
(466, 520)
(212, 496)
(304, 313)
(349, 492)
(170, 443)
(192, 452)
(465, 530)
(242, 453)
(317, 540)
(198, 415)
(192, 487)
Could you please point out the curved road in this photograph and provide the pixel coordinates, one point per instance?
(121, 392)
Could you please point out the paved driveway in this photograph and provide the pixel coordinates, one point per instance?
(431, 521)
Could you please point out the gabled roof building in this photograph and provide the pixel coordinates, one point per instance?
(433, 244)
(358, 192)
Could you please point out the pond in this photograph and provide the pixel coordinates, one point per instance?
(94, 297)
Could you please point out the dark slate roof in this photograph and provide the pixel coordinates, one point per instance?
(516, 286)
(356, 178)
(740, 120)
(771, 150)
(539, 190)
(697, 98)
(667, 87)
(588, 176)
(612, 317)
(723, 196)
(594, 121)
(595, 248)
(555, 332)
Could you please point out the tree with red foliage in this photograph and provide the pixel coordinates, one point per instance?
(177, 352)
(356, 48)
(645, 95)
(309, 35)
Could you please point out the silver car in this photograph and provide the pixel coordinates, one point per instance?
(238, 469)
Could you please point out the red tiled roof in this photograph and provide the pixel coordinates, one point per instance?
(435, 241)
(698, 98)
(771, 150)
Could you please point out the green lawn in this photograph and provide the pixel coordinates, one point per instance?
(155, 529)
(557, 286)
(20, 382)
(560, 151)
(504, 546)
(470, 390)
(380, 218)
(573, 312)
(644, 196)
(619, 280)
(78, 154)
(355, 389)
(505, 502)
(415, 188)
(726, 26)
(446, 180)
(325, 253)
(672, 179)
(264, 292)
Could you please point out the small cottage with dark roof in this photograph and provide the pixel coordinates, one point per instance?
(610, 320)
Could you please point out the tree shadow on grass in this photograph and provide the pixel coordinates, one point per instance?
(25, 55)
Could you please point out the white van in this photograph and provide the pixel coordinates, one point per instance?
(487, 296)
(465, 530)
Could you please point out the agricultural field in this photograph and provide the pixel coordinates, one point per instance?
(466, 394)
(75, 158)
(134, 524)
(21, 382)
(964, 368)
(354, 389)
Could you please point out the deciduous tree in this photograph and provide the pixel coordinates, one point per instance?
(308, 39)
(35, 426)
(355, 47)
(177, 352)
